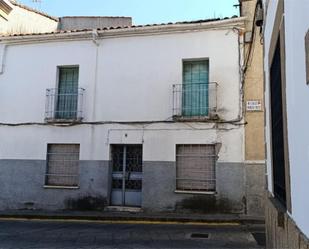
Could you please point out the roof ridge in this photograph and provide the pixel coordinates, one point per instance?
(34, 10)
(127, 27)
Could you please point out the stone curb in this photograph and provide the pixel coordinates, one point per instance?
(136, 217)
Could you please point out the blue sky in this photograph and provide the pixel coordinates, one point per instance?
(142, 11)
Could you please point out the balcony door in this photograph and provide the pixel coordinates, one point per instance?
(67, 93)
(195, 88)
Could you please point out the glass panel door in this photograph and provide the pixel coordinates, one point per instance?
(195, 88)
(127, 175)
(67, 94)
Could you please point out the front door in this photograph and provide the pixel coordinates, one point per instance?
(127, 175)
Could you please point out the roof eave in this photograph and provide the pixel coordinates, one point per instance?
(144, 30)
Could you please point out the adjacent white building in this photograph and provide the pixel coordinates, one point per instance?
(20, 19)
(146, 116)
(286, 65)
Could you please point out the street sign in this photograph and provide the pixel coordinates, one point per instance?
(254, 105)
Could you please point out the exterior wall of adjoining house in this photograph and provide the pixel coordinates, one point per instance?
(294, 24)
(93, 22)
(24, 21)
(5, 9)
(126, 79)
(281, 230)
(254, 129)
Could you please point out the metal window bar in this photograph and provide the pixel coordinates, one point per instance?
(62, 165)
(198, 100)
(196, 167)
(66, 105)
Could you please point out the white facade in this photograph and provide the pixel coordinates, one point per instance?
(126, 79)
(297, 97)
(127, 75)
(23, 20)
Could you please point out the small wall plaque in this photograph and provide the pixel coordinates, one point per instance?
(254, 105)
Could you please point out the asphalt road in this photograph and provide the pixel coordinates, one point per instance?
(94, 235)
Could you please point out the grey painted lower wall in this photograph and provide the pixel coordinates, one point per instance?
(159, 187)
(22, 187)
(255, 189)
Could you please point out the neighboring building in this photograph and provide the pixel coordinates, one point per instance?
(16, 18)
(253, 87)
(147, 116)
(286, 93)
(20, 19)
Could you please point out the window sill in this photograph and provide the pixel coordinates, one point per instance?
(195, 192)
(211, 117)
(60, 187)
(55, 120)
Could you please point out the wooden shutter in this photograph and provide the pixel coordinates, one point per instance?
(62, 165)
(196, 167)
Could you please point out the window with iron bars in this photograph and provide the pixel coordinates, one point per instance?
(65, 103)
(62, 165)
(196, 167)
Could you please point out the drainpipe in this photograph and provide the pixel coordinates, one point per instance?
(2, 57)
(96, 43)
(95, 36)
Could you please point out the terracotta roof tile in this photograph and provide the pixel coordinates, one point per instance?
(126, 27)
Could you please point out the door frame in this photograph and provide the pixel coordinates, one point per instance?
(124, 176)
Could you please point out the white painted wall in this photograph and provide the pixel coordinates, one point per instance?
(268, 28)
(24, 21)
(134, 83)
(297, 94)
(297, 24)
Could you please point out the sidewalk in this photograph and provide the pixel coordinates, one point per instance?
(132, 216)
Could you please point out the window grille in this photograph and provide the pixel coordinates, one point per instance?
(196, 167)
(62, 165)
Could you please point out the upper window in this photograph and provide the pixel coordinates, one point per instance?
(196, 97)
(195, 88)
(62, 165)
(196, 167)
(65, 102)
(66, 107)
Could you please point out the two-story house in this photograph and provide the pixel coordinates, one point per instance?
(146, 116)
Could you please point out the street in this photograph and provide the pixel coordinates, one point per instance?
(24, 234)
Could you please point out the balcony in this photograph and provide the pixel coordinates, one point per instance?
(195, 101)
(64, 105)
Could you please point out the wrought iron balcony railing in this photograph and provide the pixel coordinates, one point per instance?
(192, 101)
(64, 104)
